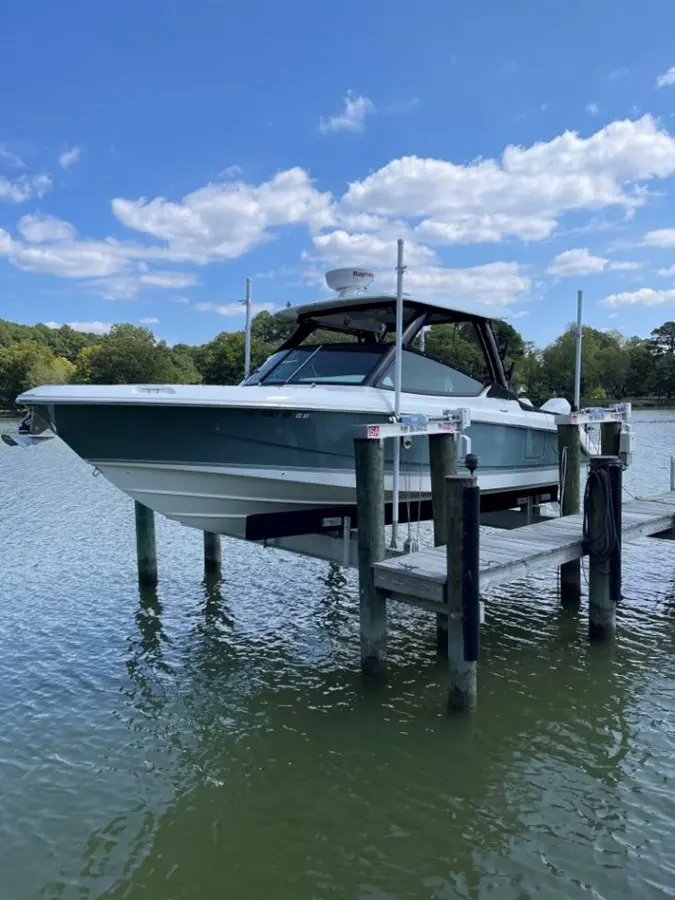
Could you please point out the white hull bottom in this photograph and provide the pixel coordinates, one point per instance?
(219, 499)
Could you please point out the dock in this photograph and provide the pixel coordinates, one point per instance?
(506, 556)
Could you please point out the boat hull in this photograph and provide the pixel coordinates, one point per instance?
(211, 467)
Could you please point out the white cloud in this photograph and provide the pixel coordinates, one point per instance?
(11, 157)
(668, 273)
(233, 309)
(6, 242)
(660, 237)
(80, 259)
(525, 191)
(18, 190)
(624, 266)
(621, 72)
(642, 297)
(149, 320)
(169, 279)
(497, 283)
(225, 220)
(352, 117)
(576, 262)
(667, 79)
(69, 157)
(592, 108)
(45, 229)
(92, 327)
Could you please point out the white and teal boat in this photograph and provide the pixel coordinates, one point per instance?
(281, 441)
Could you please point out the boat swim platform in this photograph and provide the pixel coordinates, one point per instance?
(420, 578)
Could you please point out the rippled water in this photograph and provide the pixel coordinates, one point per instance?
(216, 741)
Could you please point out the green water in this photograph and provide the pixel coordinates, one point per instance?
(217, 741)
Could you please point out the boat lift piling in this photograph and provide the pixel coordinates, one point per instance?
(146, 545)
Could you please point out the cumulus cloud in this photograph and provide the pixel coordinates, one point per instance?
(352, 117)
(45, 229)
(18, 190)
(149, 320)
(642, 297)
(668, 273)
(576, 262)
(592, 108)
(225, 220)
(523, 193)
(667, 79)
(580, 261)
(660, 237)
(69, 157)
(432, 203)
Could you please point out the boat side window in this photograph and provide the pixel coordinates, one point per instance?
(269, 364)
(424, 375)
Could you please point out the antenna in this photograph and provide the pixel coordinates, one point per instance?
(247, 350)
(577, 362)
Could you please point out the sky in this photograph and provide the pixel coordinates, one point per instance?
(155, 154)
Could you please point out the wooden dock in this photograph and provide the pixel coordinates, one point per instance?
(508, 555)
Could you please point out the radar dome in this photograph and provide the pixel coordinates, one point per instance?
(348, 282)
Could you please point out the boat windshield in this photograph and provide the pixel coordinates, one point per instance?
(326, 364)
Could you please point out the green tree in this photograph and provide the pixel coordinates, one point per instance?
(29, 364)
(132, 355)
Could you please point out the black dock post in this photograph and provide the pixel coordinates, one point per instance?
(610, 438)
(212, 555)
(442, 462)
(602, 537)
(369, 459)
(461, 595)
(569, 464)
(146, 545)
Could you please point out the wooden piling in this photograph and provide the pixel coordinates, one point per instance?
(146, 545)
(603, 543)
(569, 464)
(610, 438)
(442, 462)
(462, 681)
(212, 555)
(369, 460)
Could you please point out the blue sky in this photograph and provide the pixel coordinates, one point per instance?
(153, 154)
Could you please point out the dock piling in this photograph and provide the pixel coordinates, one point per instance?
(569, 464)
(602, 515)
(610, 438)
(212, 555)
(442, 462)
(369, 463)
(146, 545)
(459, 589)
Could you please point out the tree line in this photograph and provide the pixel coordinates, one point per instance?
(614, 368)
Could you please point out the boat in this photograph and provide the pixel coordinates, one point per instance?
(212, 457)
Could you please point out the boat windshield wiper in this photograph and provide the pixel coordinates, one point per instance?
(301, 366)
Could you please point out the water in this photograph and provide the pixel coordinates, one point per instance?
(218, 742)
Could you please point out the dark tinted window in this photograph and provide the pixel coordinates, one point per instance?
(332, 364)
(423, 375)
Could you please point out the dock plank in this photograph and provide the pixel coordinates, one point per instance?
(509, 555)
